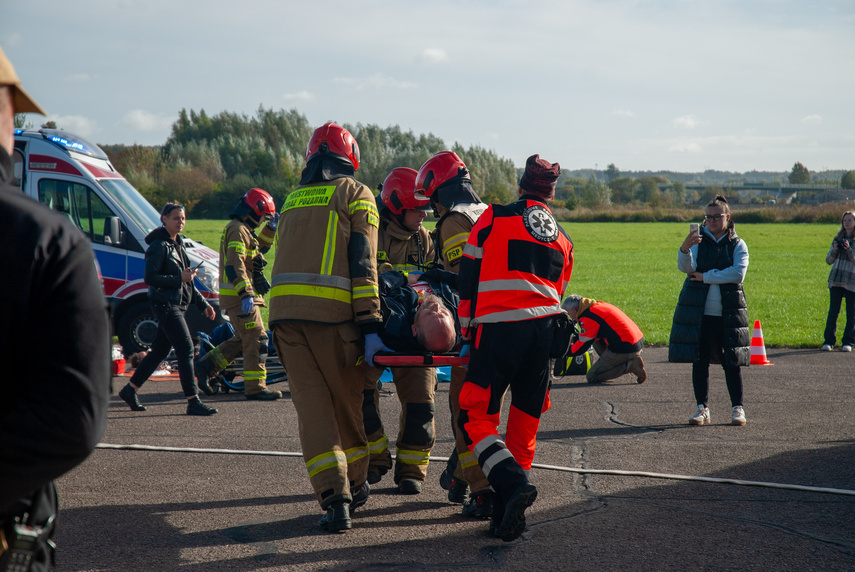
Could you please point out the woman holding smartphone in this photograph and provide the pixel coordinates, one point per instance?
(170, 291)
(841, 284)
(711, 318)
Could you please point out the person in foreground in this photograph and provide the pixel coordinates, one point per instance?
(325, 315)
(616, 338)
(841, 284)
(516, 266)
(53, 405)
(170, 290)
(711, 319)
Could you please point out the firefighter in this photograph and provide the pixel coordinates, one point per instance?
(242, 289)
(515, 269)
(616, 338)
(325, 315)
(406, 245)
(444, 179)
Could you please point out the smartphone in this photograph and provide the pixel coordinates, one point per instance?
(694, 227)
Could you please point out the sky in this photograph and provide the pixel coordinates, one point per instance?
(675, 85)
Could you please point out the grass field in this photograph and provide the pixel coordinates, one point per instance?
(634, 266)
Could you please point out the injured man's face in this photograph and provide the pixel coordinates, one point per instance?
(433, 325)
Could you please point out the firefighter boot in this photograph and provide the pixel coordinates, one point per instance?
(202, 372)
(479, 505)
(513, 520)
(337, 518)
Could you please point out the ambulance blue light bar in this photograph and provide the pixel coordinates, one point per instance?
(73, 143)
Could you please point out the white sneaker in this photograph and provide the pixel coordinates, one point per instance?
(827, 348)
(738, 416)
(701, 416)
(846, 349)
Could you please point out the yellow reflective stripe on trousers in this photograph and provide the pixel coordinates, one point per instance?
(254, 374)
(329, 244)
(409, 457)
(325, 461)
(379, 445)
(356, 453)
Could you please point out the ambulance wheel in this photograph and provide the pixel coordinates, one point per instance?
(137, 328)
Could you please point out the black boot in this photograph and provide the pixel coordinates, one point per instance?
(513, 520)
(479, 505)
(360, 495)
(196, 407)
(201, 371)
(337, 518)
(129, 395)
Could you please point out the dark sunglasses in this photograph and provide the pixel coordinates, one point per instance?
(715, 217)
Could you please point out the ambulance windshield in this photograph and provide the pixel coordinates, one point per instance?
(133, 203)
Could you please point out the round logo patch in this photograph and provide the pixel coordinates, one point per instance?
(540, 224)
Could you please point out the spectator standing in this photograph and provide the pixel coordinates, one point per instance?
(711, 319)
(841, 284)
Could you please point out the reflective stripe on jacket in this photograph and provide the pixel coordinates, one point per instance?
(516, 265)
(452, 232)
(326, 260)
(604, 322)
(404, 249)
(238, 246)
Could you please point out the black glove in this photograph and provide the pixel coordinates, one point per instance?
(258, 263)
(260, 283)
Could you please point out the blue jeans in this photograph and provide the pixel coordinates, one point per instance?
(172, 332)
(837, 294)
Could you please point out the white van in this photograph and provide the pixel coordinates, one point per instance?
(75, 177)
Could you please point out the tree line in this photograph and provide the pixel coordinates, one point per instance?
(208, 162)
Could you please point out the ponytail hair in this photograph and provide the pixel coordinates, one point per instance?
(721, 202)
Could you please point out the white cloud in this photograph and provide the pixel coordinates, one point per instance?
(812, 119)
(76, 124)
(142, 120)
(299, 96)
(432, 56)
(687, 122)
(377, 81)
(686, 147)
(622, 112)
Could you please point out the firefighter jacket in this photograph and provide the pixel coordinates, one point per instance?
(452, 231)
(400, 302)
(165, 259)
(325, 269)
(238, 246)
(603, 322)
(516, 265)
(404, 249)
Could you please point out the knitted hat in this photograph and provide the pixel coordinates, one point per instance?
(540, 177)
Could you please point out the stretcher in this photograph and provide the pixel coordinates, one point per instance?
(426, 359)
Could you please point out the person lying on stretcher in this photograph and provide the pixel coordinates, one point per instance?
(419, 313)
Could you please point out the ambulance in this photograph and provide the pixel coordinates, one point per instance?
(75, 177)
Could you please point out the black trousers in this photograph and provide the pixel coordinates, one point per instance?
(712, 337)
(172, 332)
(837, 294)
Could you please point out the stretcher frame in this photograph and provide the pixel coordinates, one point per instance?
(422, 359)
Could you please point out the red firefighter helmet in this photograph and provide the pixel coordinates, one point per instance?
(398, 191)
(440, 168)
(260, 202)
(334, 139)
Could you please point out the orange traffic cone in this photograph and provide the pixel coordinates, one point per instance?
(758, 348)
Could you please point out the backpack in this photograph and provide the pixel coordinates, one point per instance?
(570, 365)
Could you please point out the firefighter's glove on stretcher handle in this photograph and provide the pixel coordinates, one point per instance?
(374, 344)
(246, 304)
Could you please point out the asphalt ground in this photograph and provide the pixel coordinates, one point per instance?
(164, 510)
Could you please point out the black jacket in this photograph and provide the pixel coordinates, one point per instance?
(53, 397)
(165, 259)
(399, 303)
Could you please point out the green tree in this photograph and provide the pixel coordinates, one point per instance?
(623, 189)
(612, 172)
(596, 194)
(847, 181)
(799, 175)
